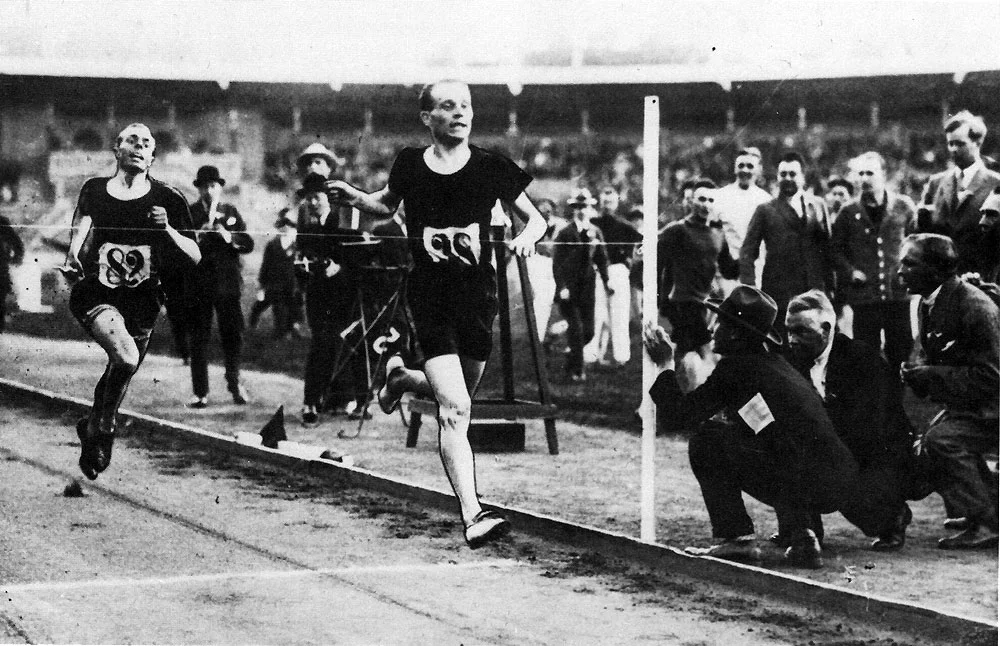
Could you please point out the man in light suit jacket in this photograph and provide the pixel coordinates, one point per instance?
(957, 366)
(796, 229)
(952, 199)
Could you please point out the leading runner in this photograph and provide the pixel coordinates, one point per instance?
(139, 235)
(450, 189)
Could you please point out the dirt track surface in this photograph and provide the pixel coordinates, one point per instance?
(177, 545)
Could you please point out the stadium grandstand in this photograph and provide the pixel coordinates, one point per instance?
(560, 89)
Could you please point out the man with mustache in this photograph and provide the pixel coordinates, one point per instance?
(867, 238)
(451, 187)
(140, 237)
(796, 230)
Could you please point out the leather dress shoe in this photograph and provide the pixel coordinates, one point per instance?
(240, 396)
(976, 537)
(895, 538)
(741, 548)
(957, 524)
(804, 550)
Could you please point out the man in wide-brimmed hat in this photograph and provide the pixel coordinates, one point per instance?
(774, 441)
(216, 285)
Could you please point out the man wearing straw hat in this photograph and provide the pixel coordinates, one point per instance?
(774, 441)
(215, 286)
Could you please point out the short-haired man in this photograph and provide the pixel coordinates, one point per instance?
(957, 365)
(795, 228)
(952, 199)
(694, 250)
(450, 189)
(775, 441)
(863, 397)
(867, 238)
(735, 203)
(578, 257)
(140, 236)
(612, 309)
(216, 286)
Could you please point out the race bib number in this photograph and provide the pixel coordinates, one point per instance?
(454, 244)
(122, 265)
(756, 413)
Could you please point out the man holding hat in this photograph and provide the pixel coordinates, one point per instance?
(579, 249)
(215, 286)
(769, 436)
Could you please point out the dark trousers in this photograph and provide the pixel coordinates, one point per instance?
(230, 316)
(870, 319)
(580, 321)
(4, 291)
(877, 501)
(285, 307)
(954, 447)
(729, 460)
(328, 351)
(177, 315)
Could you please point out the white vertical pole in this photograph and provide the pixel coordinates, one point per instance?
(650, 208)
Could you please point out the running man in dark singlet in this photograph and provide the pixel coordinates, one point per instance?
(450, 189)
(138, 235)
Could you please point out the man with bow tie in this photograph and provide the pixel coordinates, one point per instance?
(795, 227)
(952, 199)
(955, 365)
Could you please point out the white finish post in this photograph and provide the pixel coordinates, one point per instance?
(650, 207)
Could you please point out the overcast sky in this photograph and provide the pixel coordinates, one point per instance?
(337, 40)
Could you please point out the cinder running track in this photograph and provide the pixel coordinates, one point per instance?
(176, 545)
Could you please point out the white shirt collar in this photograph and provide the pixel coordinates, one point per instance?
(797, 202)
(965, 176)
(817, 373)
(929, 301)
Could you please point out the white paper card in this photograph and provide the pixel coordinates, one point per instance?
(756, 413)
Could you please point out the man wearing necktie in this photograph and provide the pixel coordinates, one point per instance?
(956, 366)
(795, 228)
(952, 199)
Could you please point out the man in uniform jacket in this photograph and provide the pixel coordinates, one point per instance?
(867, 237)
(577, 258)
(864, 399)
(215, 286)
(956, 365)
(796, 229)
(952, 199)
(775, 440)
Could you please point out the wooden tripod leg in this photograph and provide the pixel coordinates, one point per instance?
(413, 431)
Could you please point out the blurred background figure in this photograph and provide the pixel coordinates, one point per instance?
(612, 302)
(543, 282)
(578, 257)
(11, 253)
(279, 289)
(839, 192)
(735, 204)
